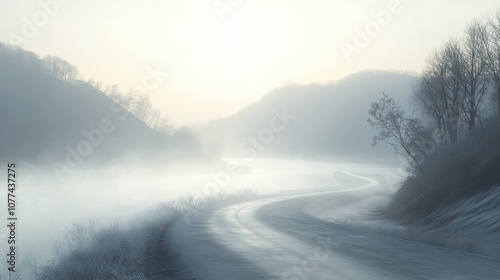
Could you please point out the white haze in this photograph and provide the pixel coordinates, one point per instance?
(47, 207)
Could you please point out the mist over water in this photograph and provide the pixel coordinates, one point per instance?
(125, 193)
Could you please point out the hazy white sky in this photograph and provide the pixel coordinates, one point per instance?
(224, 54)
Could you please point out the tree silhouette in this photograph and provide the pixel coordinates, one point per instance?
(404, 134)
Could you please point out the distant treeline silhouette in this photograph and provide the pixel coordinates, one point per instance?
(46, 108)
(330, 119)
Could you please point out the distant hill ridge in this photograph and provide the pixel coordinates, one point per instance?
(48, 115)
(330, 119)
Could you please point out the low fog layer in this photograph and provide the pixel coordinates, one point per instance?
(127, 193)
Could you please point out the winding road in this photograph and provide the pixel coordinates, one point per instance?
(272, 238)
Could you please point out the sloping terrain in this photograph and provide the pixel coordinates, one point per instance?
(313, 121)
(46, 116)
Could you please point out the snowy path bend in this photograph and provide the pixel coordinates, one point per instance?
(272, 238)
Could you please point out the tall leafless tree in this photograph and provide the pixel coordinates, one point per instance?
(60, 68)
(140, 106)
(440, 91)
(397, 130)
(473, 67)
(491, 54)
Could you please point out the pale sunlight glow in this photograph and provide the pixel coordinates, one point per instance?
(221, 59)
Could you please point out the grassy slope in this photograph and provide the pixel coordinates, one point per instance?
(132, 252)
(456, 202)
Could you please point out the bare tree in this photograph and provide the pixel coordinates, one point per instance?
(114, 93)
(142, 108)
(440, 91)
(474, 72)
(404, 134)
(161, 123)
(428, 99)
(491, 54)
(453, 92)
(60, 68)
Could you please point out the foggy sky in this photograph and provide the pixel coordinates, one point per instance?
(219, 60)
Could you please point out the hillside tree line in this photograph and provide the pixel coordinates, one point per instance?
(458, 90)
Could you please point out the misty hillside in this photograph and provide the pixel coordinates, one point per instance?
(45, 109)
(330, 119)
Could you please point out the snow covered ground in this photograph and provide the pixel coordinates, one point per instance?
(471, 225)
(46, 209)
(272, 237)
(362, 210)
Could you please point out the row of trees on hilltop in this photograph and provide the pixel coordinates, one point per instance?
(453, 147)
(138, 104)
(51, 65)
(458, 90)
